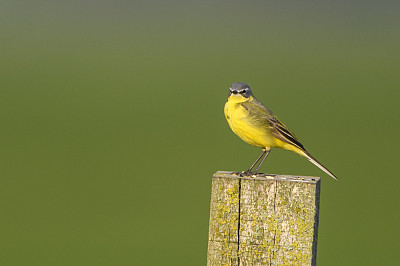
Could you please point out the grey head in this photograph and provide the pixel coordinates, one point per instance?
(240, 88)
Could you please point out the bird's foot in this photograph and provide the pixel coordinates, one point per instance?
(248, 173)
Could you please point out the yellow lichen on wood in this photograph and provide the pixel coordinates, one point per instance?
(223, 229)
(263, 220)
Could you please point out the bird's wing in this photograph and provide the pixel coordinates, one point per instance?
(266, 118)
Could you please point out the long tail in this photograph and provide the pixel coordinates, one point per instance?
(320, 166)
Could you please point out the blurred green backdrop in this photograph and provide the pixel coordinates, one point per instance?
(112, 123)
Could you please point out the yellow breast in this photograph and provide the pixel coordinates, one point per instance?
(242, 124)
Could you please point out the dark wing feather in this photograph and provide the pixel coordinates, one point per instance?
(280, 131)
(277, 128)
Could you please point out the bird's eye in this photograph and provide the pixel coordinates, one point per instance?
(234, 91)
(243, 91)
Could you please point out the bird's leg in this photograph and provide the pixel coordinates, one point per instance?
(263, 159)
(251, 167)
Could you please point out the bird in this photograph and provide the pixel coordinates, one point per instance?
(257, 125)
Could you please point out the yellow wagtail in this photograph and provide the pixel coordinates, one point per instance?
(257, 125)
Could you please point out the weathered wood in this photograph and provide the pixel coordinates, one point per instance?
(263, 220)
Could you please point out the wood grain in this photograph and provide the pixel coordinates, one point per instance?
(263, 219)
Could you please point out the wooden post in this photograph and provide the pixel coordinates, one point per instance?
(263, 220)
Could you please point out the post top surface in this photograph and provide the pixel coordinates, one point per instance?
(289, 178)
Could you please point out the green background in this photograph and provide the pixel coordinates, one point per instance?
(112, 123)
